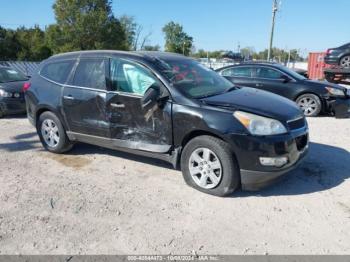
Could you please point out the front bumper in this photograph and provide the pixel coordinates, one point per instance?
(340, 107)
(249, 149)
(9, 106)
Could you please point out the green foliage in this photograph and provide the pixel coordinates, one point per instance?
(176, 40)
(85, 25)
(23, 44)
(151, 48)
(249, 53)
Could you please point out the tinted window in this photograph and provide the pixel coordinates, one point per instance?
(238, 72)
(11, 75)
(91, 73)
(130, 77)
(57, 71)
(264, 72)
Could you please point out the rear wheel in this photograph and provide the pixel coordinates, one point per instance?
(310, 104)
(209, 165)
(345, 61)
(52, 134)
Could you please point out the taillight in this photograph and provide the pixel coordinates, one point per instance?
(329, 51)
(26, 86)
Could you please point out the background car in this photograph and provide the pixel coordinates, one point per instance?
(338, 56)
(11, 91)
(313, 97)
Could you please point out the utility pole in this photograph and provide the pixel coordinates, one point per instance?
(274, 11)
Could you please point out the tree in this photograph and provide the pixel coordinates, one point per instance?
(176, 40)
(84, 25)
(9, 44)
(32, 44)
(135, 37)
(151, 48)
(247, 52)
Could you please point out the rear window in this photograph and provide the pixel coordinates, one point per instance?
(237, 72)
(11, 75)
(91, 73)
(57, 71)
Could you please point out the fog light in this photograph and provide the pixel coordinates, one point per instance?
(274, 161)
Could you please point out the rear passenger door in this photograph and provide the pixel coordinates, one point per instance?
(84, 98)
(132, 126)
(239, 75)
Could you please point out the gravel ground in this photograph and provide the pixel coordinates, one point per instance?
(98, 201)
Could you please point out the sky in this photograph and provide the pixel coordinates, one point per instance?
(308, 25)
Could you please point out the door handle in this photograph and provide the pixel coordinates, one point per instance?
(117, 105)
(258, 85)
(68, 97)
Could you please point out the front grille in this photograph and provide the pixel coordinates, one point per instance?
(297, 124)
(301, 142)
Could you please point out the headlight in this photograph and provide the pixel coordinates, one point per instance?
(259, 125)
(335, 91)
(3, 93)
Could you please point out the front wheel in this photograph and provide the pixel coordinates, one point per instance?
(52, 134)
(310, 104)
(208, 165)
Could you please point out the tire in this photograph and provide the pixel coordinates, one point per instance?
(345, 61)
(52, 134)
(227, 177)
(310, 104)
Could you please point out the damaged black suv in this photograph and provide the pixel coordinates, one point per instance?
(170, 107)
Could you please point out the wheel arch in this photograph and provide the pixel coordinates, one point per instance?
(323, 101)
(47, 108)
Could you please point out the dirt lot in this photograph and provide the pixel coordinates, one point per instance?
(98, 201)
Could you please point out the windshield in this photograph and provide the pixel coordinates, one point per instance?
(292, 73)
(193, 79)
(10, 75)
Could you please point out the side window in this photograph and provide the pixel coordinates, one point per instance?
(91, 73)
(130, 77)
(227, 72)
(238, 72)
(57, 71)
(264, 72)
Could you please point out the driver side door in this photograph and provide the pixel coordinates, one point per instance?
(131, 125)
(272, 80)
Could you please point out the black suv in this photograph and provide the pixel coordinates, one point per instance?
(313, 97)
(169, 107)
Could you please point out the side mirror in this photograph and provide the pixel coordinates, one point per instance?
(150, 97)
(285, 79)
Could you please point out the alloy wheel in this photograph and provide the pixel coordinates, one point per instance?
(345, 61)
(50, 133)
(205, 168)
(308, 105)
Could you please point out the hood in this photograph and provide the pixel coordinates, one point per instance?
(13, 86)
(258, 102)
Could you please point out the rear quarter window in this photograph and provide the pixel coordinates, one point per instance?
(57, 71)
